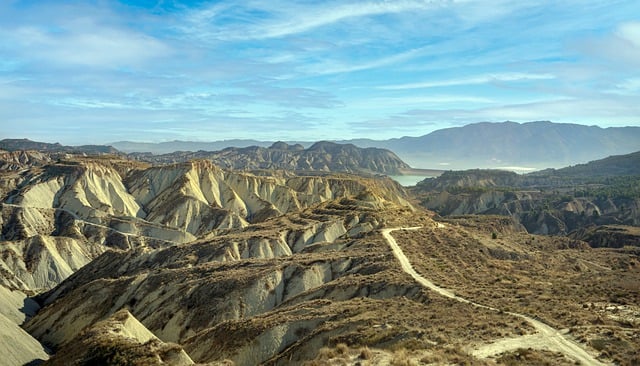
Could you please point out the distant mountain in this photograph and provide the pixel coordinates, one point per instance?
(478, 145)
(173, 146)
(322, 156)
(490, 145)
(26, 145)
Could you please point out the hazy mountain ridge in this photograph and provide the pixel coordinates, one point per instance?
(26, 144)
(540, 144)
(480, 145)
(486, 144)
(160, 148)
(321, 156)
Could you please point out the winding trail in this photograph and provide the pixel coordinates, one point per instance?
(547, 337)
(88, 223)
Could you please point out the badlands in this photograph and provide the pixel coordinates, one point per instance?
(111, 261)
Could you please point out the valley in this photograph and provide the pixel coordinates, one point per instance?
(107, 259)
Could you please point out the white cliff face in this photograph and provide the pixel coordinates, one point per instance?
(101, 188)
(17, 347)
(81, 190)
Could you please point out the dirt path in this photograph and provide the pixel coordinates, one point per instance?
(89, 223)
(547, 337)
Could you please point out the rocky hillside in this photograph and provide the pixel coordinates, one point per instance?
(539, 212)
(322, 285)
(608, 236)
(19, 160)
(67, 213)
(602, 192)
(117, 340)
(59, 217)
(321, 156)
(617, 165)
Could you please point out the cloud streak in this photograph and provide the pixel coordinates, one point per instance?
(474, 80)
(293, 20)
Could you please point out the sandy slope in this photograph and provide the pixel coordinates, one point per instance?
(17, 347)
(547, 338)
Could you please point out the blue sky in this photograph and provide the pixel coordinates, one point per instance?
(101, 71)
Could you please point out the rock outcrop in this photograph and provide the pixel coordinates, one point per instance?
(119, 340)
(608, 236)
(20, 160)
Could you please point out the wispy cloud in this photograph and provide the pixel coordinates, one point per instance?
(286, 18)
(338, 67)
(305, 70)
(621, 47)
(422, 100)
(92, 46)
(616, 111)
(473, 80)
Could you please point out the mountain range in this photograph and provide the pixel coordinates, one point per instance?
(321, 156)
(26, 144)
(538, 145)
(507, 145)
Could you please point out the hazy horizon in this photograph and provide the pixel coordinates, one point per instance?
(206, 140)
(92, 73)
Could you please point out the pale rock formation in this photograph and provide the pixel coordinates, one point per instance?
(118, 338)
(17, 347)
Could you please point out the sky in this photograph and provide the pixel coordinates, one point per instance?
(84, 72)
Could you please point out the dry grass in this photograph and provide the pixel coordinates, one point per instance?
(534, 358)
(341, 354)
(592, 292)
(401, 358)
(365, 353)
